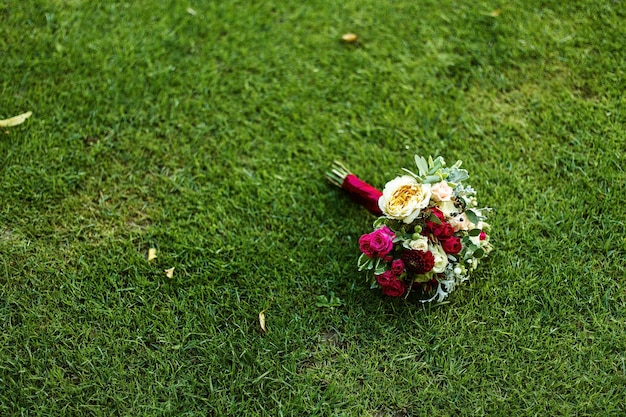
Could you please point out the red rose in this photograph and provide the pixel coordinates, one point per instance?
(451, 245)
(395, 288)
(483, 235)
(385, 278)
(438, 213)
(442, 231)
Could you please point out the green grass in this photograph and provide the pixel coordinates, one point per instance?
(206, 136)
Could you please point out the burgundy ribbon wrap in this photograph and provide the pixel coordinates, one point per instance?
(362, 193)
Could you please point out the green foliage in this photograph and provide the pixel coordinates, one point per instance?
(328, 302)
(205, 134)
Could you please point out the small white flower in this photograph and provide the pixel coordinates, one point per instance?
(475, 240)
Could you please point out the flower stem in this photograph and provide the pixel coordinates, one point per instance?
(337, 174)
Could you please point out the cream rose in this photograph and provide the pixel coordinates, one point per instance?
(403, 198)
(441, 191)
(441, 258)
(420, 243)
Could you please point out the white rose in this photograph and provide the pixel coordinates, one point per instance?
(441, 258)
(441, 191)
(403, 198)
(417, 244)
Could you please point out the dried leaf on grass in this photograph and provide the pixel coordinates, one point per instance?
(495, 13)
(262, 321)
(169, 272)
(17, 120)
(151, 254)
(350, 37)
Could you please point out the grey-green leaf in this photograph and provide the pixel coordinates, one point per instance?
(472, 217)
(422, 165)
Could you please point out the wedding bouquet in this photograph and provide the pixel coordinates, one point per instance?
(430, 233)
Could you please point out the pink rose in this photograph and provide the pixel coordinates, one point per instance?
(378, 243)
(441, 191)
(364, 245)
(483, 235)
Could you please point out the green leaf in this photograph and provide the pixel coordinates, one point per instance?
(457, 176)
(422, 165)
(434, 218)
(380, 221)
(474, 232)
(411, 173)
(328, 302)
(364, 262)
(472, 217)
(479, 253)
(380, 267)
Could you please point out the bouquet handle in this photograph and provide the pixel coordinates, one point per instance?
(358, 190)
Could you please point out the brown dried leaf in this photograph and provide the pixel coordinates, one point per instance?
(17, 120)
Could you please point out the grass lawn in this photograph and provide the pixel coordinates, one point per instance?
(204, 129)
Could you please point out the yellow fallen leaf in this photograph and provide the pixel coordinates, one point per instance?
(495, 13)
(17, 120)
(169, 272)
(191, 11)
(151, 254)
(262, 321)
(350, 37)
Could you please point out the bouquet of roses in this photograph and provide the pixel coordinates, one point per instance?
(430, 233)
